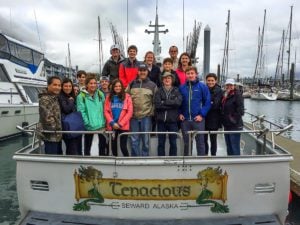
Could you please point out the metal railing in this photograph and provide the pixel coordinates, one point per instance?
(257, 123)
(266, 127)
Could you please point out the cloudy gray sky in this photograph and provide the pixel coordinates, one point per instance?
(63, 21)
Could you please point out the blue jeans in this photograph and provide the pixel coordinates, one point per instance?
(189, 125)
(163, 127)
(53, 148)
(233, 143)
(140, 125)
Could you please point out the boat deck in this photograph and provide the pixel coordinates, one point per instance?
(38, 218)
(294, 148)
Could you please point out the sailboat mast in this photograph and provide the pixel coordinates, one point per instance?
(100, 46)
(261, 56)
(183, 34)
(224, 72)
(290, 37)
(282, 52)
(278, 70)
(259, 59)
(127, 39)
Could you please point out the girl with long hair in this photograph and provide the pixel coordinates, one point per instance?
(118, 111)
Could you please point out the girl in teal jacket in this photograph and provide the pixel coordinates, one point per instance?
(90, 103)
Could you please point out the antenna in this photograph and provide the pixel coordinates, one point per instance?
(156, 31)
(37, 29)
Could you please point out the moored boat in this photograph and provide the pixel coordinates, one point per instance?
(264, 95)
(76, 189)
(21, 79)
(285, 94)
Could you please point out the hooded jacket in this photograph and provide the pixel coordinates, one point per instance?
(195, 99)
(111, 68)
(92, 109)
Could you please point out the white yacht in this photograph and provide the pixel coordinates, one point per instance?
(264, 94)
(21, 79)
(252, 188)
(284, 94)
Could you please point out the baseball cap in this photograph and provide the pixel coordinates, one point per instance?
(230, 81)
(115, 46)
(142, 67)
(104, 78)
(167, 74)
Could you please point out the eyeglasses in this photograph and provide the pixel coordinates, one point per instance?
(173, 51)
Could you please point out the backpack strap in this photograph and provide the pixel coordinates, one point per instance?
(83, 95)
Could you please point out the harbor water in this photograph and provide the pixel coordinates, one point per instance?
(279, 112)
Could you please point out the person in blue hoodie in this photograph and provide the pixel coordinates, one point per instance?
(195, 106)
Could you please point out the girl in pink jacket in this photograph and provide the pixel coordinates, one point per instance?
(118, 112)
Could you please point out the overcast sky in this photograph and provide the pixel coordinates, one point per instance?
(64, 21)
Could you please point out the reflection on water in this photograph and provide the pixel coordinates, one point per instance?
(279, 112)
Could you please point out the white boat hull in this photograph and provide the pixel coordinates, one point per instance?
(16, 115)
(285, 95)
(264, 96)
(155, 187)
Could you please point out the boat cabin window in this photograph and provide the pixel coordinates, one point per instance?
(37, 58)
(32, 93)
(3, 74)
(4, 50)
(21, 52)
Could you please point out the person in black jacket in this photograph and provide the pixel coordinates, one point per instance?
(213, 117)
(67, 105)
(111, 67)
(167, 100)
(232, 112)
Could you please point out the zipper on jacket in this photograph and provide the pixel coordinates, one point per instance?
(190, 98)
(167, 97)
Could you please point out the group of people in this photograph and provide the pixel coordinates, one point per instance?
(135, 96)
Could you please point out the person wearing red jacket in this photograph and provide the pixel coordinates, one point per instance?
(128, 69)
(118, 111)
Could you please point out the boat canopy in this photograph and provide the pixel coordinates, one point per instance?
(19, 53)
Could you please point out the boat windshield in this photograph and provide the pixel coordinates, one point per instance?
(18, 53)
(4, 50)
